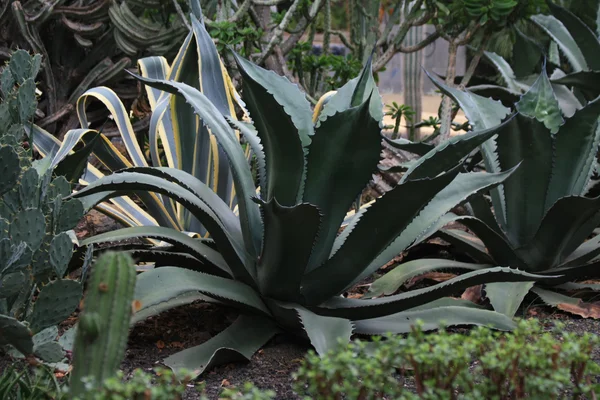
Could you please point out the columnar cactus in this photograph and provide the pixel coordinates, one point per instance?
(104, 324)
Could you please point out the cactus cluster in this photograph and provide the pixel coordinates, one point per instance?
(104, 324)
(35, 244)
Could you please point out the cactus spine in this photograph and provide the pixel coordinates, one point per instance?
(104, 324)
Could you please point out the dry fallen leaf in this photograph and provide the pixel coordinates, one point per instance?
(474, 294)
(586, 310)
(177, 345)
(160, 344)
(433, 276)
(225, 382)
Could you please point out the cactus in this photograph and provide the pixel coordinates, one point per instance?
(104, 324)
(35, 249)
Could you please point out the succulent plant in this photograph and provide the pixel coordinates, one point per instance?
(175, 134)
(103, 326)
(541, 217)
(35, 248)
(280, 259)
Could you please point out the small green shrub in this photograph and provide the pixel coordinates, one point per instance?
(528, 363)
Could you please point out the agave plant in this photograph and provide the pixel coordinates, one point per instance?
(174, 128)
(541, 219)
(281, 261)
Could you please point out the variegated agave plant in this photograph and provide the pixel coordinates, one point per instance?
(282, 261)
(541, 217)
(174, 128)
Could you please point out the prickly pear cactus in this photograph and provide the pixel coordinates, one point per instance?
(35, 244)
(104, 324)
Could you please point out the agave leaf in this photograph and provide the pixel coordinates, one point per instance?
(181, 300)
(390, 283)
(481, 210)
(419, 148)
(566, 225)
(359, 309)
(368, 238)
(290, 233)
(573, 286)
(325, 333)
(236, 343)
(588, 81)
(242, 176)
(505, 70)
(584, 253)
(540, 102)
(574, 154)
(526, 141)
(432, 217)
(506, 297)
(204, 203)
(449, 153)
(560, 34)
(586, 39)
(482, 112)
(497, 243)
(251, 136)
(160, 285)
(466, 244)
(569, 304)
(353, 93)
(433, 318)
(71, 164)
(181, 240)
(166, 257)
(276, 105)
(352, 132)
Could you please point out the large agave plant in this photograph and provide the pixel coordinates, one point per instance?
(175, 133)
(541, 219)
(282, 261)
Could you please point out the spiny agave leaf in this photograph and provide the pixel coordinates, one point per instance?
(586, 39)
(574, 154)
(389, 283)
(167, 257)
(564, 228)
(276, 105)
(353, 93)
(540, 102)
(497, 243)
(433, 318)
(506, 297)
(449, 153)
(482, 112)
(369, 238)
(348, 146)
(236, 343)
(573, 286)
(431, 217)
(588, 81)
(242, 176)
(160, 285)
(419, 148)
(204, 203)
(290, 234)
(350, 223)
(71, 165)
(586, 252)
(359, 309)
(526, 141)
(480, 209)
(569, 304)
(505, 71)
(181, 300)
(560, 34)
(251, 136)
(465, 243)
(325, 333)
(194, 246)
